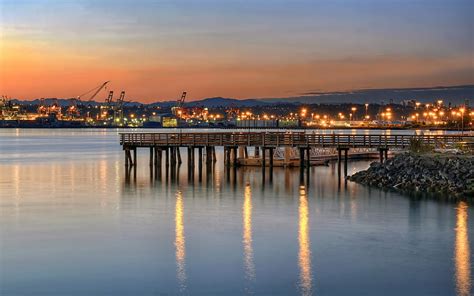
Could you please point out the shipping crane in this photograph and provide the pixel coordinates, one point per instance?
(181, 100)
(96, 90)
(106, 110)
(119, 108)
(179, 110)
(110, 98)
(73, 109)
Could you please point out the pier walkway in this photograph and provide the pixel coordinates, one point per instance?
(282, 139)
(235, 145)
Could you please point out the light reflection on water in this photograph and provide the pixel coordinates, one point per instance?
(247, 234)
(180, 243)
(304, 254)
(95, 232)
(462, 253)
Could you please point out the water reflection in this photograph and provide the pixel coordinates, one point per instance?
(247, 235)
(304, 255)
(180, 242)
(462, 252)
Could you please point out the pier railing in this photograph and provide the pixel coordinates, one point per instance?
(282, 139)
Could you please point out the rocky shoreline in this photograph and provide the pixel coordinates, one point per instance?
(447, 175)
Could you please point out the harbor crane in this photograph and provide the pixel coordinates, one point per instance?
(113, 110)
(119, 107)
(96, 90)
(73, 109)
(178, 110)
(106, 110)
(181, 100)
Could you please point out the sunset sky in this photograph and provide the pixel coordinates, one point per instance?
(243, 49)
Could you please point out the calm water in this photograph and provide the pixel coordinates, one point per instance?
(72, 224)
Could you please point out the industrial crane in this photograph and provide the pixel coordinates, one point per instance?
(96, 90)
(179, 109)
(105, 110)
(119, 107)
(113, 109)
(73, 110)
(181, 100)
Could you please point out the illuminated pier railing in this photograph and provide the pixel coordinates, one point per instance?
(281, 139)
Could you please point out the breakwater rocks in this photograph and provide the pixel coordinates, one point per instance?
(451, 176)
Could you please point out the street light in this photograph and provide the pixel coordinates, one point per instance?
(462, 120)
(354, 109)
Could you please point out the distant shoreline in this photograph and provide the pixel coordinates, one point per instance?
(242, 128)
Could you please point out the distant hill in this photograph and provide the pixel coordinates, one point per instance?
(453, 94)
(216, 102)
(66, 102)
(49, 101)
(226, 102)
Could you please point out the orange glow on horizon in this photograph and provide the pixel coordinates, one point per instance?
(36, 70)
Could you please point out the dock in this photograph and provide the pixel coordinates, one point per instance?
(294, 148)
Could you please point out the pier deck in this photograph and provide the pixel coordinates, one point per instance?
(281, 139)
(264, 145)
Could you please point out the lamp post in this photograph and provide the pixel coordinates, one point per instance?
(462, 120)
(354, 109)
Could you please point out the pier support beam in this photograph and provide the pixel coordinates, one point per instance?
(178, 153)
(151, 156)
(302, 164)
(308, 158)
(200, 164)
(173, 156)
(308, 165)
(158, 155)
(345, 161)
(270, 157)
(134, 157)
(128, 157)
(339, 159)
(209, 155)
(189, 163)
(214, 158)
(234, 157)
(227, 156)
(383, 153)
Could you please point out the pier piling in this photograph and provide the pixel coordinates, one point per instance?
(236, 145)
(151, 156)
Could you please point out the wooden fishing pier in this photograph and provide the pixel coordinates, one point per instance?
(236, 145)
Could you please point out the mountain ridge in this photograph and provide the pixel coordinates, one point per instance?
(454, 94)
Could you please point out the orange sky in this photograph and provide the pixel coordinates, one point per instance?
(56, 55)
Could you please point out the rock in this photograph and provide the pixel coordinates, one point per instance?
(451, 175)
